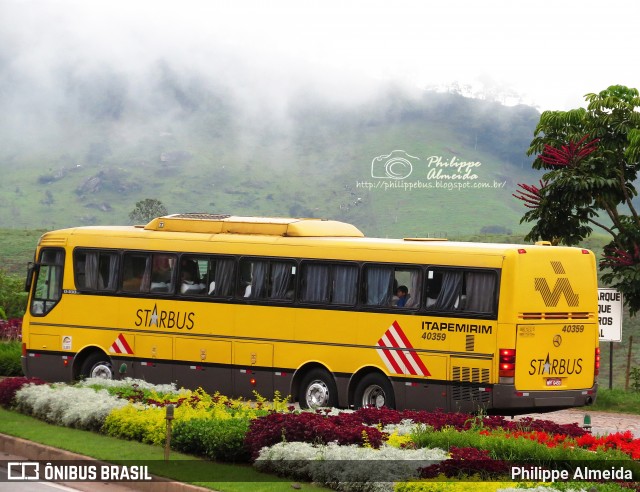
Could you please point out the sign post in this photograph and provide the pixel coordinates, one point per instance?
(610, 321)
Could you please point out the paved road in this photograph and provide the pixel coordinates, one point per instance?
(601, 422)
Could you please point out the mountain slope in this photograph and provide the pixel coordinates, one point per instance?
(197, 149)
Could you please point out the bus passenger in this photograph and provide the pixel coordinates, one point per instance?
(403, 296)
(190, 283)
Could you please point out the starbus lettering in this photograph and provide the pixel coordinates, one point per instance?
(457, 327)
(555, 367)
(164, 319)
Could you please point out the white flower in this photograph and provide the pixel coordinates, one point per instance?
(132, 383)
(70, 406)
(348, 468)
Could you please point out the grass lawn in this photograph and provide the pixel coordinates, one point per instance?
(617, 400)
(181, 467)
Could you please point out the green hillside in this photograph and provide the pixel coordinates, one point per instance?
(207, 155)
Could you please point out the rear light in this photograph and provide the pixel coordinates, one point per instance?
(507, 363)
(585, 251)
(596, 366)
(24, 349)
(522, 251)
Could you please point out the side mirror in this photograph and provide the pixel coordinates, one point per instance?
(31, 269)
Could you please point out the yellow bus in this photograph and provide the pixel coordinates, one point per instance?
(313, 309)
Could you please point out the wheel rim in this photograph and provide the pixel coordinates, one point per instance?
(373, 396)
(317, 394)
(102, 370)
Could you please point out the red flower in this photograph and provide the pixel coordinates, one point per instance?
(530, 194)
(568, 155)
(615, 257)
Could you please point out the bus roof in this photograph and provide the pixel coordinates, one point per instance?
(278, 231)
(271, 226)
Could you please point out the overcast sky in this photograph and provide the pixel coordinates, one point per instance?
(550, 52)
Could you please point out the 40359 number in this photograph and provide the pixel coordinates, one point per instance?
(573, 328)
(427, 335)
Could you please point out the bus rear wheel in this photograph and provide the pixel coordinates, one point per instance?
(374, 390)
(97, 365)
(318, 389)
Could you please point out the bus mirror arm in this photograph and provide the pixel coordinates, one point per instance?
(31, 269)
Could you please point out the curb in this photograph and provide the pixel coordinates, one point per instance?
(22, 448)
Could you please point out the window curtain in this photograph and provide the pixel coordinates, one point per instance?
(345, 284)
(450, 292)
(280, 277)
(316, 287)
(111, 269)
(480, 291)
(378, 286)
(91, 271)
(258, 280)
(146, 278)
(224, 277)
(414, 289)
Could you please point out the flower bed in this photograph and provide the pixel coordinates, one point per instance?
(367, 449)
(11, 329)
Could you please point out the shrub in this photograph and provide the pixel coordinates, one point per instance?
(13, 298)
(347, 467)
(136, 423)
(10, 329)
(466, 462)
(10, 386)
(221, 440)
(343, 428)
(82, 408)
(10, 364)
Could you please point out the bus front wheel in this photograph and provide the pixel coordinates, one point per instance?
(374, 390)
(97, 365)
(318, 389)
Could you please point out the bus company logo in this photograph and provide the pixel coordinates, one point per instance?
(164, 319)
(555, 367)
(400, 361)
(121, 346)
(551, 297)
(396, 165)
(557, 341)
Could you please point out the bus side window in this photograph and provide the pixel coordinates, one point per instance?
(162, 273)
(47, 289)
(329, 283)
(444, 289)
(282, 280)
(266, 279)
(136, 276)
(461, 290)
(481, 291)
(95, 270)
(378, 285)
(407, 287)
(192, 281)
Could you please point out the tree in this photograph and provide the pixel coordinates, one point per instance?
(147, 209)
(592, 158)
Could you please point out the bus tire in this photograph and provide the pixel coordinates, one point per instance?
(374, 390)
(97, 365)
(318, 389)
